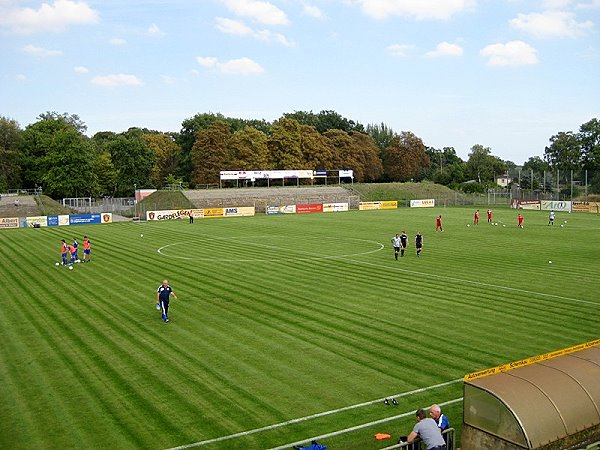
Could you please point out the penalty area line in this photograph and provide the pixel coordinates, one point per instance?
(314, 416)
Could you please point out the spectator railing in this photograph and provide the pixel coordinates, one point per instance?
(449, 437)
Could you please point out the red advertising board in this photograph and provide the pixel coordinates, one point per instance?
(309, 208)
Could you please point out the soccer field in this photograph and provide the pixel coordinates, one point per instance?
(287, 328)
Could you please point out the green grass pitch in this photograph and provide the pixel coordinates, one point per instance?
(278, 318)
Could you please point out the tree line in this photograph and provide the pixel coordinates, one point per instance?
(55, 153)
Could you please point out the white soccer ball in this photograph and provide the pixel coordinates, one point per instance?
(70, 267)
(141, 235)
(468, 224)
(562, 226)
(496, 224)
(549, 262)
(503, 225)
(565, 221)
(56, 264)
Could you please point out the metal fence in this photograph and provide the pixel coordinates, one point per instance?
(449, 437)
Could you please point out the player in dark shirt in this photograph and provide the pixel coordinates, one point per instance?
(403, 243)
(163, 294)
(419, 243)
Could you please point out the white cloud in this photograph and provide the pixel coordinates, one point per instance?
(80, 69)
(53, 17)
(21, 77)
(551, 24)
(41, 51)
(420, 9)
(120, 79)
(400, 50)
(556, 4)
(312, 11)
(230, 26)
(593, 4)
(235, 27)
(117, 41)
(445, 49)
(241, 66)
(513, 53)
(261, 11)
(153, 30)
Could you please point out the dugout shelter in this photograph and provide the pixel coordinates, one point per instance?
(547, 402)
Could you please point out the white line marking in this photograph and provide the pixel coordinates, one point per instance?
(359, 427)
(478, 283)
(275, 248)
(314, 416)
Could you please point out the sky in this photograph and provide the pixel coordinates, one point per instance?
(504, 74)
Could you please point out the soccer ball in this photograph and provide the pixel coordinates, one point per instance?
(549, 262)
(562, 226)
(141, 235)
(503, 225)
(70, 267)
(56, 264)
(468, 225)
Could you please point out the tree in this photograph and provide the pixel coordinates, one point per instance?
(564, 152)
(249, 150)
(589, 138)
(316, 151)
(57, 156)
(405, 158)
(10, 167)
(382, 135)
(285, 145)
(483, 166)
(325, 120)
(210, 153)
(167, 154)
(133, 160)
(367, 154)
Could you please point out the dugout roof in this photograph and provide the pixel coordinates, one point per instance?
(538, 403)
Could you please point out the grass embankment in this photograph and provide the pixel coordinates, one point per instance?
(402, 192)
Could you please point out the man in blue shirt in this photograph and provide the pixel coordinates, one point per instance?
(441, 420)
(163, 294)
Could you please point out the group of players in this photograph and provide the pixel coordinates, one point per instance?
(400, 241)
(69, 252)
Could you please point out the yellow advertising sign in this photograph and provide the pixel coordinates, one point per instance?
(532, 360)
(213, 212)
(388, 204)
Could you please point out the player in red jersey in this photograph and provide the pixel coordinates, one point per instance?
(476, 218)
(489, 215)
(438, 223)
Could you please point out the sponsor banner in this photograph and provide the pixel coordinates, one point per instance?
(534, 359)
(285, 209)
(106, 217)
(335, 207)
(346, 174)
(427, 203)
(240, 211)
(593, 207)
(388, 204)
(197, 213)
(530, 205)
(52, 221)
(320, 173)
(309, 208)
(84, 219)
(168, 214)
(213, 212)
(63, 220)
(554, 205)
(37, 221)
(263, 174)
(9, 222)
(366, 206)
